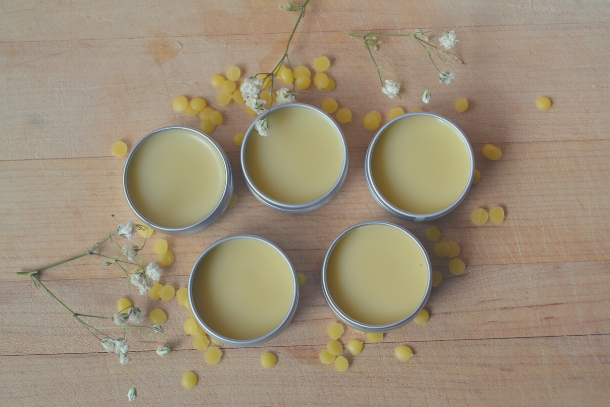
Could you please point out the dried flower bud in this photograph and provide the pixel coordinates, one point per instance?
(426, 96)
(154, 271)
(121, 346)
(130, 250)
(136, 315)
(446, 77)
(124, 358)
(158, 329)
(132, 393)
(285, 95)
(391, 88)
(262, 126)
(163, 350)
(127, 230)
(108, 344)
(448, 40)
(120, 318)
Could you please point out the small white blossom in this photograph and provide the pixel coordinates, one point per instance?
(448, 40)
(284, 96)
(446, 77)
(391, 88)
(251, 87)
(124, 358)
(136, 315)
(163, 350)
(108, 344)
(132, 394)
(158, 328)
(120, 318)
(127, 230)
(426, 96)
(121, 346)
(130, 250)
(154, 271)
(262, 126)
(143, 283)
(256, 104)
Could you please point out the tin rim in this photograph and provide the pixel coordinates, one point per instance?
(391, 208)
(245, 342)
(357, 324)
(306, 206)
(213, 215)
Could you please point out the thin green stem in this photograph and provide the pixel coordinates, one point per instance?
(36, 280)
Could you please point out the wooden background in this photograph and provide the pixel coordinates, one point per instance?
(526, 325)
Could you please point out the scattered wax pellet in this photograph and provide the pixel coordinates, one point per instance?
(285, 75)
(216, 118)
(266, 79)
(377, 114)
(326, 357)
(335, 330)
(191, 326)
(233, 201)
(215, 342)
(157, 316)
(302, 71)
(145, 231)
(233, 73)
(395, 112)
(180, 103)
(330, 105)
(331, 84)
(354, 347)
(267, 95)
(454, 248)
(182, 295)
(167, 258)
(416, 110)
(334, 347)
(456, 266)
(320, 80)
(374, 337)
(250, 111)
(224, 99)
(476, 177)
(371, 121)
(360, 332)
(122, 305)
(201, 342)
(217, 81)
(422, 317)
(437, 278)
(207, 126)
(441, 249)
(344, 115)
(212, 356)
(461, 105)
(303, 82)
(492, 152)
(167, 292)
(161, 246)
(321, 64)
(403, 353)
(154, 292)
(118, 149)
(189, 380)
(496, 214)
(479, 216)
(268, 360)
(543, 103)
(228, 86)
(190, 111)
(302, 278)
(205, 113)
(433, 233)
(198, 104)
(238, 97)
(341, 364)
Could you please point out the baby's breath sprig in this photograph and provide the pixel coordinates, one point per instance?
(391, 87)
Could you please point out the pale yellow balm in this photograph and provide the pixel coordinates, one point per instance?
(377, 274)
(300, 160)
(175, 178)
(243, 288)
(421, 164)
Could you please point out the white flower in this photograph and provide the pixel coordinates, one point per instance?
(127, 230)
(136, 315)
(121, 346)
(256, 104)
(108, 344)
(163, 350)
(154, 271)
(130, 250)
(284, 96)
(262, 126)
(448, 40)
(426, 96)
(158, 328)
(124, 358)
(132, 393)
(446, 77)
(391, 88)
(119, 319)
(251, 87)
(143, 283)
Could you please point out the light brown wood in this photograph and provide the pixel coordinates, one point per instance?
(527, 324)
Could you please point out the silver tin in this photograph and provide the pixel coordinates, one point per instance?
(249, 342)
(222, 206)
(295, 208)
(384, 203)
(359, 325)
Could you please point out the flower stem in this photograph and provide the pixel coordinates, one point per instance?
(36, 280)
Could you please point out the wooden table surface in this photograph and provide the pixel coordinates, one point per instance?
(527, 324)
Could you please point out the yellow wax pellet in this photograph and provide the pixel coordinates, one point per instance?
(268, 360)
(403, 353)
(123, 305)
(334, 347)
(433, 233)
(190, 111)
(492, 152)
(341, 364)
(161, 246)
(496, 214)
(167, 258)
(330, 105)
(354, 347)
(224, 99)
(191, 326)
(437, 278)
(180, 103)
(331, 84)
(201, 342)
(479, 216)
(344, 115)
(302, 71)
(234, 200)
(145, 231)
(267, 79)
(326, 357)
(543, 103)
(335, 330)
(285, 75)
(189, 380)
(422, 317)
(228, 86)
(118, 149)
(456, 266)
(205, 113)
(454, 249)
(212, 356)
(167, 292)
(233, 73)
(303, 82)
(157, 316)
(374, 337)
(206, 126)
(182, 295)
(321, 64)
(217, 81)
(441, 249)
(395, 112)
(250, 111)
(377, 115)
(267, 95)
(320, 80)
(360, 332)
(476, 177)
(154, 292)
(238, 97)
(371, 121)
(302, 279)
(416, 110)
(198, 104)
(215, 342)
(461, 105)
(216, 118)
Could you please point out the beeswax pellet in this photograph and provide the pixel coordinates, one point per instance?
(454, 249)
(180, 103)
(228, 87)
(190, 111)
(461, 105)
(215, 342)
(543, 103)
(205, 113)
(167, 292)
(157, 316)
(441, 249)
(182, 295)
(161, 246)
(479, 216)
(302, 71)
(238, 97)
(334, 347)
(267, 96)
(189, 380)
(354, 347)
(374, 337)
(321, 64)
(285, 75)
(217, 81)
(476, 177)
(191, 326)
(371, 121)
(154, 292)
(216, 118)
(145, 231)
(433, 233)
(238, 138)
(422, 317)
(233, 201)
(233, 73)
(302, 279)
(341, 364)
(416, 110)
(326, 357)
(403, 353)
(207, 126)
(167, 258)
(320, 80)
(331, 84)
(335, 330)
(492, 152)
(330, 105)
(344, 115)
(118, 149)
(123, 305)
(268, 360)
(395, 112)
(198, 104)
(250, 111)
(201, 342)
(496, 214)
(223, 98)
(437, 278)
(456, 266)
(212, 356)
(302, 82)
